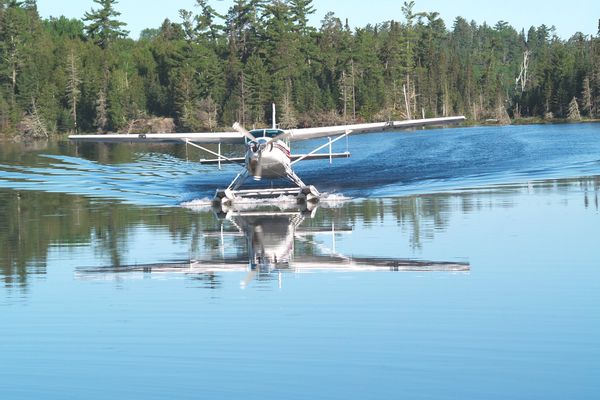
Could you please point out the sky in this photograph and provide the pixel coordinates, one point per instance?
(567, 16)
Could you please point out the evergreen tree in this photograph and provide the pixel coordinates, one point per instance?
(206, 21)
(188, 25)
(257, 86)
(186, 98)
(207, 70)
(300, 10)
(103, 26)
(288, 118)
(587, 97)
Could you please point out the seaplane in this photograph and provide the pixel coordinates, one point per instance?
(268, 152)
(276, 243)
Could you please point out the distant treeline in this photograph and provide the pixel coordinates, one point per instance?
(209, 70)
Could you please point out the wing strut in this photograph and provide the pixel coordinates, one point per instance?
(219, 155)
(329, 143)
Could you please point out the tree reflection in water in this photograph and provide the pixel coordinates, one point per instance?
(33, 221)
(34, 217)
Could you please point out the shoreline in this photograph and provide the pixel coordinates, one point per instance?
(466, 124)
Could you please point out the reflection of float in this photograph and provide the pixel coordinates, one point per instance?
(272, 238)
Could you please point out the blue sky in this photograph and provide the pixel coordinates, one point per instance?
(568, 16)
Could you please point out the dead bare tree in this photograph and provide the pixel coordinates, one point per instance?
(73, 86)
(33, 124)
(522, 78)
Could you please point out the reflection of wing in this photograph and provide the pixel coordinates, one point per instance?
(302, 264)
(185, 267)
(311, 133)
(338, 263)
(199, 137)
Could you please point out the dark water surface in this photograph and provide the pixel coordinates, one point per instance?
(463, 263)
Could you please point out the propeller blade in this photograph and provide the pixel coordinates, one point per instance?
(258, 169)
(282, 136)
(243, 131)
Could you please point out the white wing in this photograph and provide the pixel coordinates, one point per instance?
(293, 134)
(199, 137)
(311, 133)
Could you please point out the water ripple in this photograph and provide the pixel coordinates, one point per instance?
(382, 165)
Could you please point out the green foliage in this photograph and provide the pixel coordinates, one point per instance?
(103, 28)
(209, 70)
(65, 28)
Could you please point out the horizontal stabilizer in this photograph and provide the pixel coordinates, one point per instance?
(240, 160)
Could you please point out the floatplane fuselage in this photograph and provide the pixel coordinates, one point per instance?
(268, 156)
(264, 159)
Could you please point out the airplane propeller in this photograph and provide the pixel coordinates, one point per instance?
(251, 137)
(244, 132)
(261, 146)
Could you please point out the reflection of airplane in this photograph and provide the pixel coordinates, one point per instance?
(268, 152)
(272, 239)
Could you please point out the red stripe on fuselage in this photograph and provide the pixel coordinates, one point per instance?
(283, 149)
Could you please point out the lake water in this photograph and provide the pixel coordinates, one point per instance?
(448, 264)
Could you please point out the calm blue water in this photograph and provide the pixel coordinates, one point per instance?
(111, 289)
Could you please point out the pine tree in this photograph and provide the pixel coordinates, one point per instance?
(595, 79)
(243, 26)
(288, 113)
(103, 26)
(204, 74)
(185, 98)
(300, 10)
(206, 24)
(188, 25)
(587, 97)
(14, 35)
(257, 86)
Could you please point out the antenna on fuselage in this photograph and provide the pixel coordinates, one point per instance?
(274, 120)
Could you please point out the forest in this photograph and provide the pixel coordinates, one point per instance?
(206, 70)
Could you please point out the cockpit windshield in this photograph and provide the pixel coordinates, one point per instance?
(268, 133)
